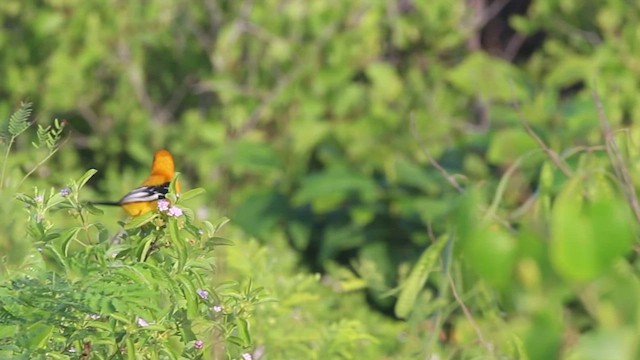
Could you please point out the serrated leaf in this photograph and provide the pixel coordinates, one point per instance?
(19, 120)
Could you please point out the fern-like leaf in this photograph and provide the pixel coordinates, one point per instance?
(49, 136)
(19, 120)
(55, 133)
(42, 135)
(5, 137)
(6, 317)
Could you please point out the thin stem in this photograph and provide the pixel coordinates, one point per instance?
(619, 166)
(4, 163)
(440, 168)
(55, 150)
(469, 317)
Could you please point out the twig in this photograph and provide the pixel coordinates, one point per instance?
(579, 149)
(51, 153)
(442, 170)
(550, 153)
(619, 166)
(469, 317)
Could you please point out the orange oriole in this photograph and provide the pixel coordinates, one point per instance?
(143, 199)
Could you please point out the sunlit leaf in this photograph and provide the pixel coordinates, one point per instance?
(426, 264)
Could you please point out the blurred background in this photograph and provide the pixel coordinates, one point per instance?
(314, 126)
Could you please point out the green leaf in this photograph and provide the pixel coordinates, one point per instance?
(243, 331)
(173, 184)
(65, 239)
(174, 347)
(507, 145)
(618, 343)
(92, 209)
(218, 241)
(119, 317)
(220, 223)
(85, 177)
(190, 295)
(427, 263)
(386, 84)
(488, 78)
(491, 253)
(141, 220)
(37, 335)
(131, 348)
(486, 248)
(144, 252)
(54, 258)
(191, 194)
(588, 237)
(177, 242)
(7, 331)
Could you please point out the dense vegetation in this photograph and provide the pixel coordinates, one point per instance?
(404, 179)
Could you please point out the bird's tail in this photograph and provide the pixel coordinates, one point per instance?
(107, 203)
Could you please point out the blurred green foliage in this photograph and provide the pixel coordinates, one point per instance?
(317, 124)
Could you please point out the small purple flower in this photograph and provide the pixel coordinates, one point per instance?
(65, 191)
(163, 205)
(174, 211)
(247, 356)
(94, 316)
(199, 344)
(217, 308)
(203, 293)
(141, 322)
(39, 198)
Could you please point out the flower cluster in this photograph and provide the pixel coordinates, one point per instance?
(65, 191)
(165, 206)
(204, 294)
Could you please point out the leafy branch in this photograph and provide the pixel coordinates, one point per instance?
(18, 123)
(47, 137)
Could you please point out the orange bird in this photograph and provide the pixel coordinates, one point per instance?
(143, 199)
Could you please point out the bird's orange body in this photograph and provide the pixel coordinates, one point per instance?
(145, 198)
